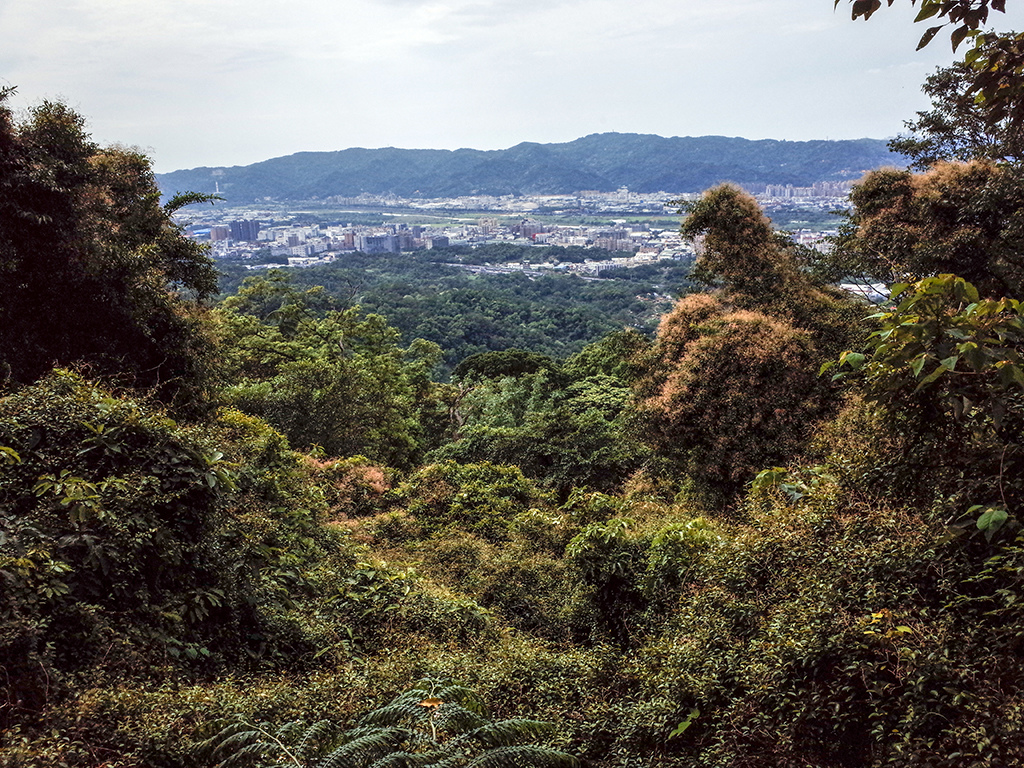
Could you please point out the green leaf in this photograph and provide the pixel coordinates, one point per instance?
(931, 377)
(918, 364)
(854, 359)
(897, 289)
(958, 35)
(949, 363)
(928, 9)
(973, 353)
(1016, 374)
(865, 8)
(991, 520)
(681, 728)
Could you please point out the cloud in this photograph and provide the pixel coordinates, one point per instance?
(231, 82)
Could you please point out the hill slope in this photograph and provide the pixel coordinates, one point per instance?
(606, 161)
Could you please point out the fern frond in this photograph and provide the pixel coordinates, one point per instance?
(234, 740)
(507, 732)
(310, 741)
(245, 755)
(287, 731)
(460, 694)
(404, 709)
(404, 760)
(225, 729)
(366, 745)
(241, 743)
(524, 757)
(452, 761)
(457, 719)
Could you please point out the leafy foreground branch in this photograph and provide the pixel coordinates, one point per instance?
(434, 723)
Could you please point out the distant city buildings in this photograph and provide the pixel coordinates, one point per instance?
(245, 231)
(282, 243)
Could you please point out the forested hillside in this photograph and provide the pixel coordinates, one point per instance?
(602, 162)
(464, 313)
(782, 530)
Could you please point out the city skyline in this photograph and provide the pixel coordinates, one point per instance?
(195, 84)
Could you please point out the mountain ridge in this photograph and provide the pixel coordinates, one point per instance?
(598, 161)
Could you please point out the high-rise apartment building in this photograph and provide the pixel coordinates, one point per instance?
(247, 231)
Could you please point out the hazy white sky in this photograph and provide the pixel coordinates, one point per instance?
(225, 82)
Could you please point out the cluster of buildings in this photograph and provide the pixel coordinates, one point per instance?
(304, 245)
(260, 239)
(820, 189)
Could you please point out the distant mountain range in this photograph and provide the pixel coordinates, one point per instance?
(602, 161)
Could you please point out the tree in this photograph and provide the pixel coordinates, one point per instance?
(93, 271)
(729, 386)
(957, 127)
(962, 218)
(738, 248)
(337, 380)
(729, 393)
(949, 365)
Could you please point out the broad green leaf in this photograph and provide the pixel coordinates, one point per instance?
(931, 377)
(681, 728)
(897, 289)
(928, 9)
(973, 353)
(991, 520)
(972, 55)
(958, 35)
(854, 359)
(927, 37)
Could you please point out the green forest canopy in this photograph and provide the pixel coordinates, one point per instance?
(266, 532)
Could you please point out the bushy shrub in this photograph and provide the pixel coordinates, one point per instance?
(127, 540)
(729, 393)
(353, 487)
(477, 498)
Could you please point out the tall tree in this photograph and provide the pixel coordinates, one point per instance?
(730, 385)
(93, 271)
(966, 219)
(957, 127)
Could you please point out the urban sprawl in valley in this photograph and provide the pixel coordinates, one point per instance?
(272, 236)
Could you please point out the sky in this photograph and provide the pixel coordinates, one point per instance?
(232, 82)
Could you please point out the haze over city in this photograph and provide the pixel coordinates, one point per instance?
(194, 83)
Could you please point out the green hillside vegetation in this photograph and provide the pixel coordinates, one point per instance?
(425, 295)
(603, 162)
(783, 531)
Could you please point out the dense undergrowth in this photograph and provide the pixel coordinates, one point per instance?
(831, 629)
(692, 550)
